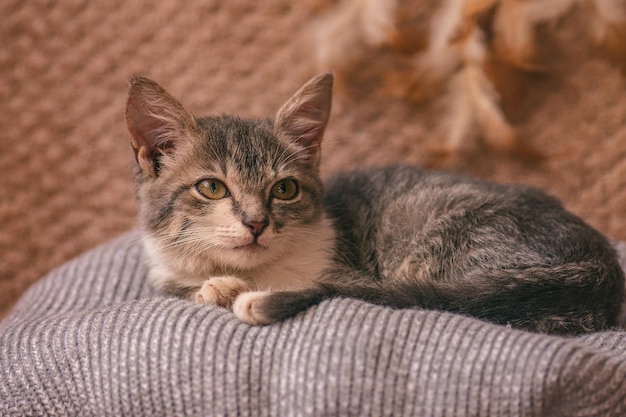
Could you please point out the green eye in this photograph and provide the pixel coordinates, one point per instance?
(285, 190)
(213, 189)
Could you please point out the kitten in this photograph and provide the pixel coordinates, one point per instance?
(233, 212)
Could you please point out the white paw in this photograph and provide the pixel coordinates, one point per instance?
(221, 291)
(246, 308)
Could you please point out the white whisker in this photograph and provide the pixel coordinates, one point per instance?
(300, 153)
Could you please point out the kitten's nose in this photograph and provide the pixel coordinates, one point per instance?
(256, 226)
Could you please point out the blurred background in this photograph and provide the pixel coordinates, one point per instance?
(66, 166)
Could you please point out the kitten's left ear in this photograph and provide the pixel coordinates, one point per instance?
(156, 122)
(303, 118)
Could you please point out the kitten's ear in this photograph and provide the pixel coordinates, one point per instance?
(303, 118)
(156, 122)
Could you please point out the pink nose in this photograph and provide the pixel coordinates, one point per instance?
(256, 226)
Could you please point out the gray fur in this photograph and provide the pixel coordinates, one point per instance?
(506, 253)
(400, 236)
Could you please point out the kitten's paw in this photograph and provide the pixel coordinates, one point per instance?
(248, 307)
(221, 291)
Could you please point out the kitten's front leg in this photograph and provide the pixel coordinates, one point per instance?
(267, 307)
(221, 291)
(248, 307)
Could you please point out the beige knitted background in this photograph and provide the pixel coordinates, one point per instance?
(65, 165)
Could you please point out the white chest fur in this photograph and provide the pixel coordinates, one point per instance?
(302, 265)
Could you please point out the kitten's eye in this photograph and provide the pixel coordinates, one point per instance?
(213, 189)
(285, 190)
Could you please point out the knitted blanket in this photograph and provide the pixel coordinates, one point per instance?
(93, 339)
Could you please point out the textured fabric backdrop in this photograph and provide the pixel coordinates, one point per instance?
(64, 159)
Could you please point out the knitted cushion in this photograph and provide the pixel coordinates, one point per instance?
(94, 339)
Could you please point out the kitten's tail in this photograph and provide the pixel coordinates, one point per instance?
(568, 299)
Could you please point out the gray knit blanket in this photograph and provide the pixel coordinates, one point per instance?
(93, 339)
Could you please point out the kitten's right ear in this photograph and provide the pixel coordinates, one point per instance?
(303, 118)
(156, 121)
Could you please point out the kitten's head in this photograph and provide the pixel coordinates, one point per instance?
(224, 192)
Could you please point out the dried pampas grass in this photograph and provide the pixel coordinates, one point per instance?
(608, 28)
(471, 52)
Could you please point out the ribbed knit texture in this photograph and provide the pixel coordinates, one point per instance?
(93, 339)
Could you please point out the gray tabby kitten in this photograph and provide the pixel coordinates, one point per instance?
(234, 213)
